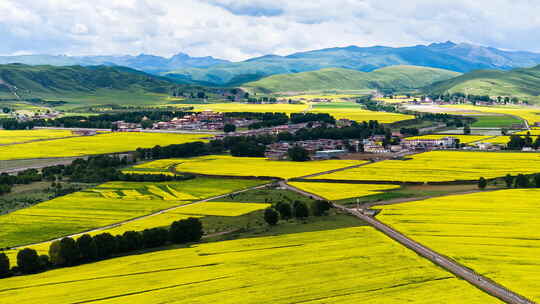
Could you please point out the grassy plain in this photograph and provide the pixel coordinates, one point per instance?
(340, 191)
(464, 139)
(97, 144)
(247, 166)
(105, 205)
(438, 166)
(346, 265)
(495, 121)
(19, 136)
(495, 233)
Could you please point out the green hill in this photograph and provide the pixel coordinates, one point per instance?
(521, 83)
(83, 85)
(395, 77)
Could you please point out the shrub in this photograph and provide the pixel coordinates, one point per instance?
(482, 183)
(271, 216)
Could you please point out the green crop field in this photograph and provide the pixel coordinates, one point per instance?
(105, 205)
(443, 166)
(347, 265)
(246, 166)
(97, 144)
(498, 121)
(494, 233)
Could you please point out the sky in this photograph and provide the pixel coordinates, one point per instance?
(241, 29)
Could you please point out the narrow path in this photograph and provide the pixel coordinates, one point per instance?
(145, 217)
(450, 265)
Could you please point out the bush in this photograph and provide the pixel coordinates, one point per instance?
(87, 248)
(300, 210)
(321, 207)
(482, 183)
(187, 230)
(271, 216)
(105, 244)
(4, 265)
(155, 237)
(28, 261)
(284, 210)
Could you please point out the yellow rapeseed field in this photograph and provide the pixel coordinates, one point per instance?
(339, 191)
(443, 166)
(245, 107)
(348, 265)
(531, 114)
(254, 166)
(105, 205)
(19, 136)
(97, 144)
(359, 115)
(464, 139)
(495, 233)
(533, 132)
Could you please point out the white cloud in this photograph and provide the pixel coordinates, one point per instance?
(239, 29)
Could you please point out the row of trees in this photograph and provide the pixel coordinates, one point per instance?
(298, 209)
(518, 181)
(519, 142)
(86, 249)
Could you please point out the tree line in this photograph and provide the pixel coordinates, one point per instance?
(298, 210)
(518, 181)
(87, 248)
(519, 142)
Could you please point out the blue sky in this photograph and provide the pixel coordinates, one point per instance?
(239, 29)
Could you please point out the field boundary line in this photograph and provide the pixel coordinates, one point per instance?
(117, 224)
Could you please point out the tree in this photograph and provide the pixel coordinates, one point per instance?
(87, 248)
(4, 265)
(69, 251)
(467, 130)
(300, 210)
(105, 245)
(28, 261)
(482, 183)
(522, 181)
(133, 240)
(155, 237)
(509, 180)
(537, 180)
(321, 207)
(298, 154)
(228, 128)
(284, 210)
(271, 216)
(187, 230)
(54, 253)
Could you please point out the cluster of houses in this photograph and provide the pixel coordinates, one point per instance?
(320, 148)
(206, 120)
(22, 116)
(289, 128)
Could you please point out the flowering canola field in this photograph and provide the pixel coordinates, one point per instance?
(348, 265)
(19, 136)
(97, 144)
(339, 191)
(105, 205)
(530, 114)
(443, 166)
(247, 166)
(495, 233)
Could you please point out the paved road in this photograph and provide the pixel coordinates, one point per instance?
(459, 270)
(146, 216)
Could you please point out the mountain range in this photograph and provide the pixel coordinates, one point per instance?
(182, 68)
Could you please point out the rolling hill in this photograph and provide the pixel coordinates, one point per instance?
(522, 83)
(395, 77)
(450, 56)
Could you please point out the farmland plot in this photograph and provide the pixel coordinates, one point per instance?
(438, 166)
(19, 136)
(340, 191)
(495, 233)
(348, 265)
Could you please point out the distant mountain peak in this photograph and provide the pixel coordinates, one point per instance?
(447, 44)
